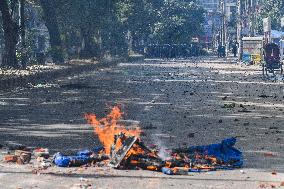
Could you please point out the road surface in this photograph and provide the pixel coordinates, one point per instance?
(175, 102)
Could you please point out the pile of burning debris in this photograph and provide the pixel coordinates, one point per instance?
(123, 149)
(126, 150)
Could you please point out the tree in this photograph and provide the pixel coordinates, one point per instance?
(11, 30)
(50, 18)
(93, 28)
(23, 33)
(178, 22)
(161, 21)
(273, 9)
(137, 18)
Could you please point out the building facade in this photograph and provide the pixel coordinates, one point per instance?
(209, 5)
(212, 22)
(220, 24)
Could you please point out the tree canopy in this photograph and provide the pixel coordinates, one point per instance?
(273, 9)
(93, 28)
(178, 22)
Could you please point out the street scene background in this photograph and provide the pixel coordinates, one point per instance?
(186, 72)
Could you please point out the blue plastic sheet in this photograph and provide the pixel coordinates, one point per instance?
(61, 160)
(225, 152)
(226, 157)
(81, 158)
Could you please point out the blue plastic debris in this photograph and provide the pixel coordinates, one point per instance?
(81, 158)
(225, 152)
(68, 161)
(167, 171)
(222, 156)
(84, 153)
(98, 149)
(61, 160)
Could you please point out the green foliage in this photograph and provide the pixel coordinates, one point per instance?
(273, 9)
(91, 28)
(178, 21)
(169, 21)
(138, 17)
(107, 22)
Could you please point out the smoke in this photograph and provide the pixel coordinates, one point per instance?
(162, 150)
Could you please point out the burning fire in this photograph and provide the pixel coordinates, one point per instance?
(106, 128)
(126, 150)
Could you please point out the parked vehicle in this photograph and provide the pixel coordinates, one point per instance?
(272, 61)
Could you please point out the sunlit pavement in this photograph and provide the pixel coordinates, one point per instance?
(176, 103)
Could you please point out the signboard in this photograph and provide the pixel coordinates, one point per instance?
(267, 24)
(252, 45)
(282, 22)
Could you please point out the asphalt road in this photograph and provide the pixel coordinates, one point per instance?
(175, 102)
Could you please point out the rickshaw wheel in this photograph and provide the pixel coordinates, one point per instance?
(264, 71)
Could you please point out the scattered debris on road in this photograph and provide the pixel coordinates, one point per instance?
(41, 152)
(229, 106)
(123, 149)
(19, 157)
(269, 154)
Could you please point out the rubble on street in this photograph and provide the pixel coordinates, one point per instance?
(129, 152)
(164, 138)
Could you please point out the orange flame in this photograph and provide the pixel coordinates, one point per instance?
(106, 128)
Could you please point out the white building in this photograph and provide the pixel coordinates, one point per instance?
(210, 5)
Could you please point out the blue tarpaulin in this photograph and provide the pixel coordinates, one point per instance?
(221, 156)
(81, 158)
(224, 152)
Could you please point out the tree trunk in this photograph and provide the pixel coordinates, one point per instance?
(89, 49)
(23, 33)
(239, 31)
(51, 23)
(10, 36)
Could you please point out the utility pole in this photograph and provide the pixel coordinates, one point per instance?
(250, 16)
(223, 13)
(239, 31)
(223, 35)
(225, 28)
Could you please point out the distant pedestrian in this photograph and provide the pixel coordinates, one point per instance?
(219, 50)
(235, 49)
(223, 51)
